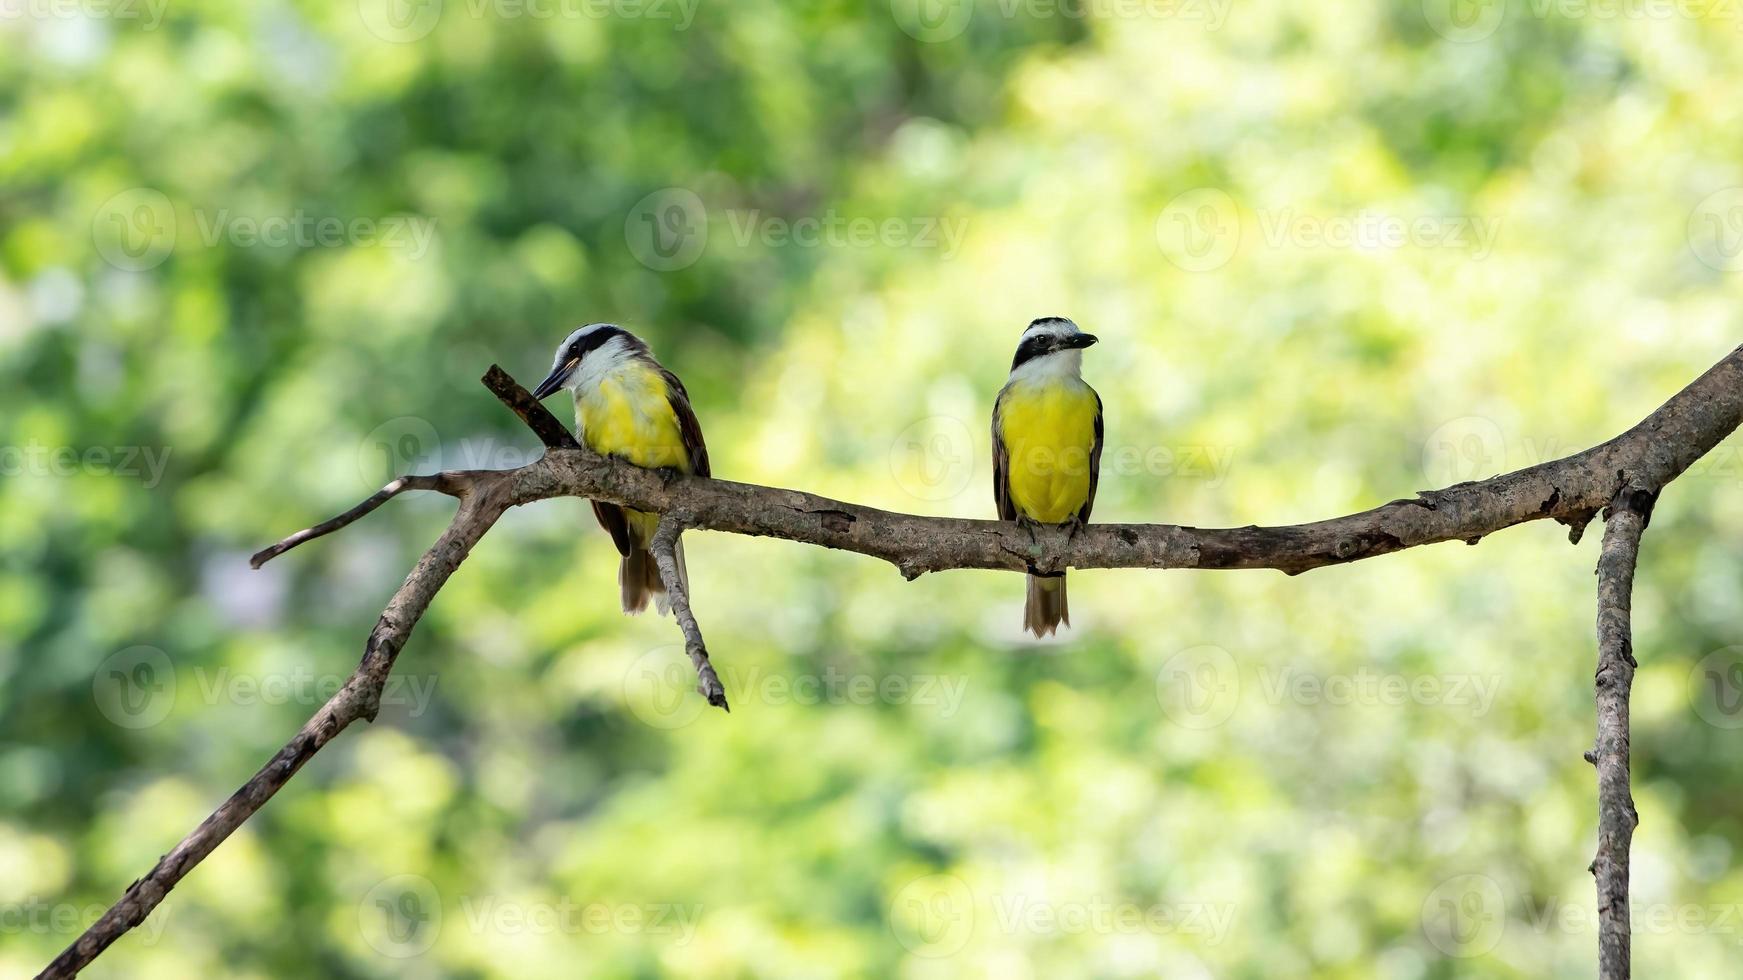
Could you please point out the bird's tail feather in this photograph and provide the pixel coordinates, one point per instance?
(638, 578)
(1046, 607)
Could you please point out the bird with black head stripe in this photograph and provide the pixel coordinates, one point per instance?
(629, 406)
(1047, 435)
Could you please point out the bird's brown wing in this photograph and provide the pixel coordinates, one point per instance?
(689, 428)
(1094, 463)
(611, 518)
(1002, 467)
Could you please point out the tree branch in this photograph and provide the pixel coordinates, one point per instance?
(1641, 461)
(665, 548)
(1570, 490)
(531, 411)
(360, 697)
(1617, 818)
(454, 484)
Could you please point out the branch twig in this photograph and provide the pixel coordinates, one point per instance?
(360, 697)
(531, 411)
(665, 548)
(1617, 818)
(1572, 490)
(454, 484)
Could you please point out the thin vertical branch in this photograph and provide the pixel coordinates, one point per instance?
(1626, 519)
(665, 549)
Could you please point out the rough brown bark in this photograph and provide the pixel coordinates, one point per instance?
(1572, 490)
(1617, 818)
(664, 546)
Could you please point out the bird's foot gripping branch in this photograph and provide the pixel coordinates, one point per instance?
(1621, 477)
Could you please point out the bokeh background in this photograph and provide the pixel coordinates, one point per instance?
(254, 258)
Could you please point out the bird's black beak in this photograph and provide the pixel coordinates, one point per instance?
(1078, 341)
(553, 381)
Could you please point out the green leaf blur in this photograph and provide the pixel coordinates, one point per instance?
(254, 258)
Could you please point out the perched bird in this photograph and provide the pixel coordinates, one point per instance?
(627, 405)
(1047, 449)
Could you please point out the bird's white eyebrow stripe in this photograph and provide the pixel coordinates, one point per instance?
(1052, 325)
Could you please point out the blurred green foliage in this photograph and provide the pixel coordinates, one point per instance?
(254, 257)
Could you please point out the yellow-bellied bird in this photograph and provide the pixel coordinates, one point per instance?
(1047, 449)
(627, 405)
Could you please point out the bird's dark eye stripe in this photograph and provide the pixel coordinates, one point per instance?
(593, 341)
(1031, 348)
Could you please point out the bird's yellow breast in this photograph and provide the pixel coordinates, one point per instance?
(629, 415)
(1048, 428)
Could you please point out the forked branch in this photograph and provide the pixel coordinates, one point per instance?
(1638, 462)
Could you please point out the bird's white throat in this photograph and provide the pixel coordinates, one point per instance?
(1056, 366)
